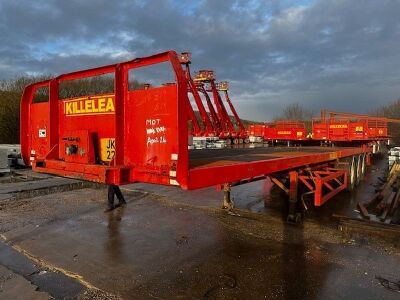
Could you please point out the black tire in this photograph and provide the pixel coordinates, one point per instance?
(363, 165)
(358, 161)
(351, 174)
(295, 218)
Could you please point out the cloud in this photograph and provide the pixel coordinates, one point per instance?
(335, 54)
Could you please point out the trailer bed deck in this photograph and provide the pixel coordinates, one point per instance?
(215, 166)
(229, 156)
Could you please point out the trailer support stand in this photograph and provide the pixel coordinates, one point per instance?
(294, 216)
(227, 204)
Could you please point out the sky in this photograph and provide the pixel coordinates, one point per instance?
(335, 54)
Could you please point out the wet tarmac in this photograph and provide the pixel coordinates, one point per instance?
(173, 244)
(26, 278)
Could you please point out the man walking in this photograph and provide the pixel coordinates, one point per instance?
(113, 190)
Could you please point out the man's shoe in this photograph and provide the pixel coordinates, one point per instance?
(108, 209)
(120, 204)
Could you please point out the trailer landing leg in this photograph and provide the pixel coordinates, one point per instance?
(228, 203)
(294, 215)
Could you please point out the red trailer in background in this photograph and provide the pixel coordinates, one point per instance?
(279, 131)
(345, 127)
(378, 128)
(256, 129)
(285, 130)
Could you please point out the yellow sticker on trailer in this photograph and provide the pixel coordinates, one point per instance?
(337, 126)
(107, 149)
(89, 106)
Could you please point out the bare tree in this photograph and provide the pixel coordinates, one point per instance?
(9, 117)
(11, 91)
(296, 111)
(391, 110)
(18, 84)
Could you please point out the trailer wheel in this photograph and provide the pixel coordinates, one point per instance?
(363, 165)
(350, 165)
(351, 174)
(358, 165)
(235, 141)
(294, 218)
(228, 141)
(247, 141)
(240, 141)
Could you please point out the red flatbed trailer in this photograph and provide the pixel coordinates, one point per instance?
(141, 135)
(282, 130)
(345, 127)
(285, 130)
(256, 130)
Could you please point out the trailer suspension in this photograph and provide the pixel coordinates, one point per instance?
(294, 215)
(323, 183)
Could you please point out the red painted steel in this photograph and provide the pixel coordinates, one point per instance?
(148, 128)
(236, 171)
(340, 129)
(345, 127)
(196, 130)
(285, 130)
(325, 183)
(282, 130)
(226, 126)
(257, 130)
(213, 115)
(134, 135)
(223, 86)
(185, 59)
(226, 120)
